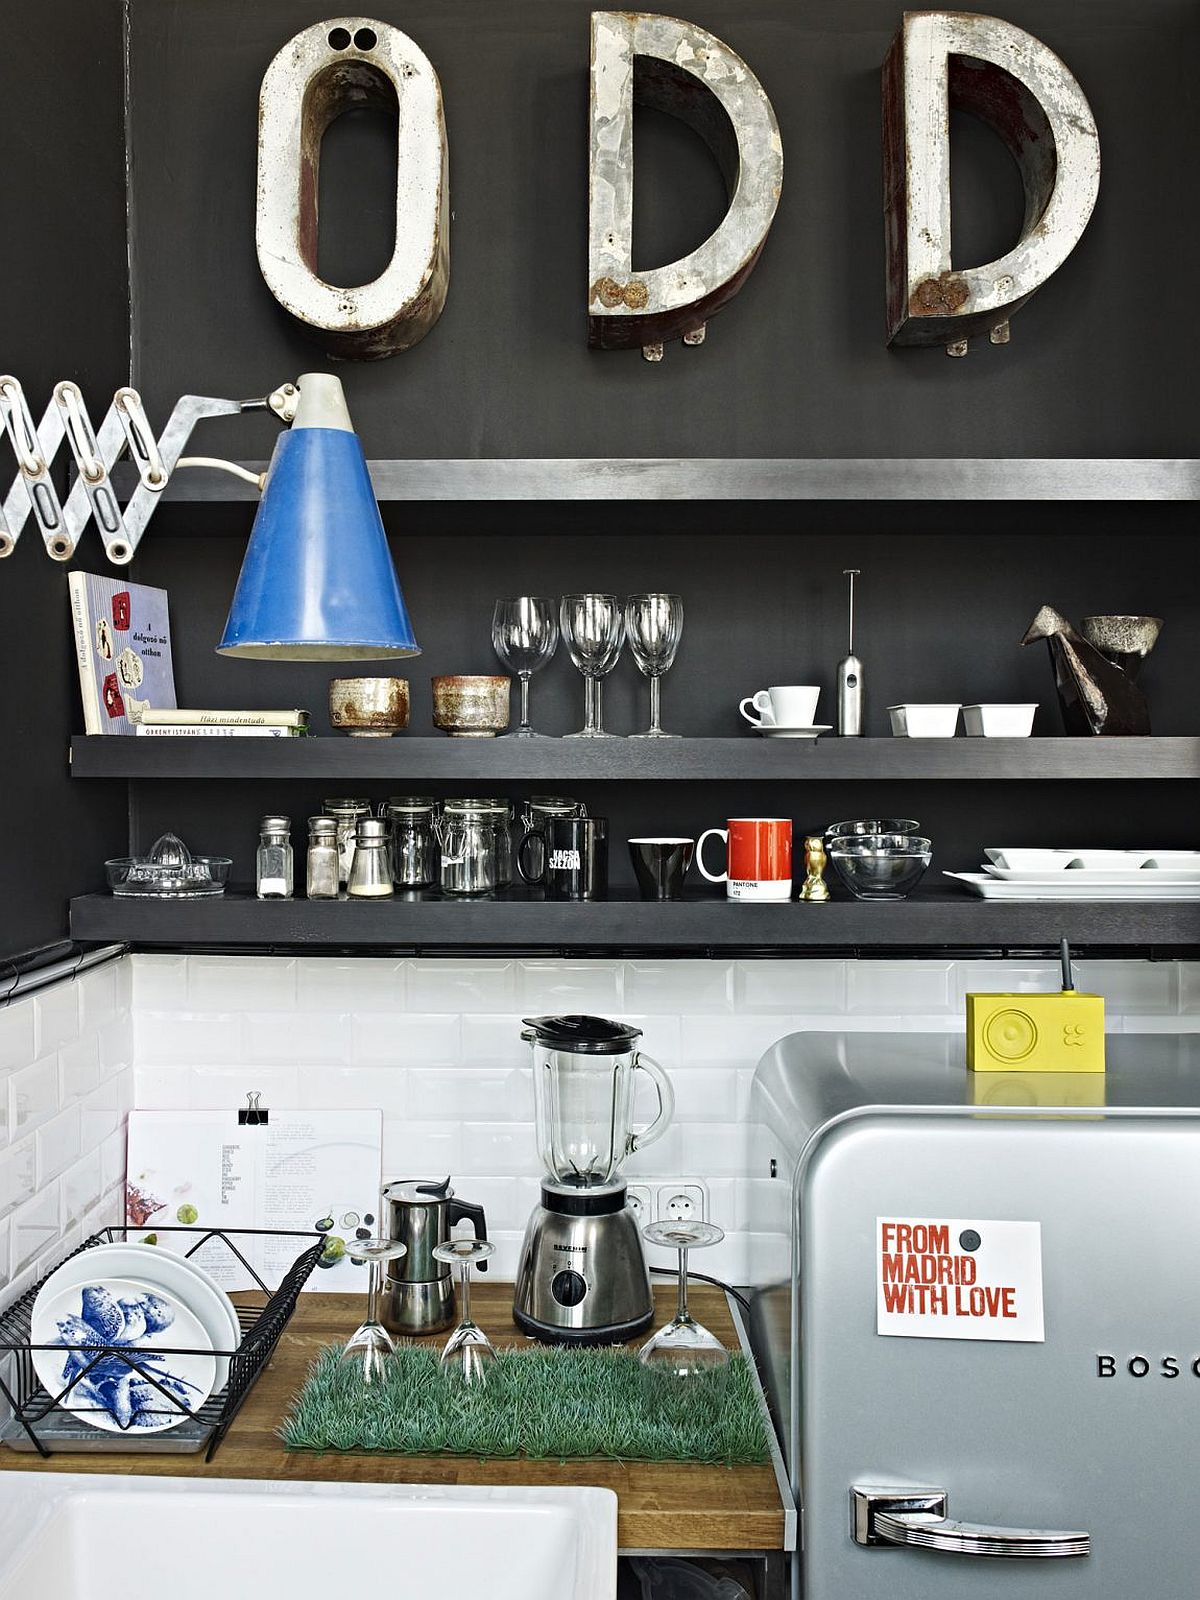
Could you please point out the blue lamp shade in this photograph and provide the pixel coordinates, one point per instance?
(317, 582)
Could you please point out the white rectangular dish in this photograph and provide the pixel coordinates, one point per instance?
(998, 722)
(1019, 859)
(924, 721)
(1076, 887)
(1129, 877)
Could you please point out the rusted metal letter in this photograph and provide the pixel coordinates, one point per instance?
(321, 72)
(677, 67)
(943, 60)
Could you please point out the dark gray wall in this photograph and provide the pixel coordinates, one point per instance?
(1100, 362)
(63, 313)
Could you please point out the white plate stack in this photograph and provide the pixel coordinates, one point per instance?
(138, 1330)
(1027, 874)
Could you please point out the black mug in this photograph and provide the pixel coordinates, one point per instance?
(661, 865)
(573, 857)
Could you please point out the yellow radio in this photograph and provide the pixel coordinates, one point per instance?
(1036, 1032)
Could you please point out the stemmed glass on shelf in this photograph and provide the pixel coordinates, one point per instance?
(593, 629)
(684, 1348)
(468, 1352)
(654, 627)
(524, 636)
(369, 1346)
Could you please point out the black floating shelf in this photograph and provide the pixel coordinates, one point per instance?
(405, 759)
(934, 918)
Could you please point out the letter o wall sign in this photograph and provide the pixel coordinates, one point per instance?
(332, 67)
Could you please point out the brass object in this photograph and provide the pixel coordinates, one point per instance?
(368, 708)
(471, 707)
(815, 889)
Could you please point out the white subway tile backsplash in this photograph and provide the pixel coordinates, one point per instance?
(160, 982)
(305, 1037)
(421, 1149)
(33, 1229)
(102, 1112)
(370, 1088)
(186, 1037)
(547, 987)
(78, 1068)
(228, 1083)
(112, 1162)
(716, 1149)
(363, 983)
(663, 1156)
(99, 999)
(17, 1176)
(494, 1041)
(502, 1094)
(901, 987)
(56, 1015)
(499, 1149)
(731, 1041)
(1002, 977)
(462, 985)
(670, 987)
(705, 1094)
(1145, 988)
(115, 1043)
(56, 1144)
(162, 1088)
(32, 1096)
(808, 987)
(1189, 986)
(501, 1199)
(241, 983)
(82, 1185)
(407, 1040)
(17, 1035)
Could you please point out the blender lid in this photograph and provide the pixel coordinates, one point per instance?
(595, 1036)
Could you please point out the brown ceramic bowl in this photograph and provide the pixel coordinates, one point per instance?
(471, 707)
(368, 708)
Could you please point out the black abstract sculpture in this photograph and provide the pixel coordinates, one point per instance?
(1096, 695)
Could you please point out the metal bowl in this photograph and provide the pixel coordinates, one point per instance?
(881, 866)
(843, 830)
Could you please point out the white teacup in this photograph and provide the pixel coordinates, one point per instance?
(788, 706)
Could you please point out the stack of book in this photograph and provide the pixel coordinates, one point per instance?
(174, 724)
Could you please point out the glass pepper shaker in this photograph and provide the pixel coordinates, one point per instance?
(322, 858)
(273, 864)
(371, 869)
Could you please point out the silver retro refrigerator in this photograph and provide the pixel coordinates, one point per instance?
(978, 1312)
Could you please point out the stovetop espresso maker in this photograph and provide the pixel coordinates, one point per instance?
(418, 1292)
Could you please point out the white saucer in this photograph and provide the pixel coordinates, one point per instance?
(796, 733)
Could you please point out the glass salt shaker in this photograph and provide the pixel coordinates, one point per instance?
(273, 865)
(347, 812)
(371, 869)
(322, 858)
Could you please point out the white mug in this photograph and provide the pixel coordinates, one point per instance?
(786, 706)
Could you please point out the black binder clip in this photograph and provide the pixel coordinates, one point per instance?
(253, 1115)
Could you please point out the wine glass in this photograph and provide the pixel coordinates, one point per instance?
(594, 631)
(469, 1352)
(654, 627)
(684, 1348)
(524, 636)
(368, 1348)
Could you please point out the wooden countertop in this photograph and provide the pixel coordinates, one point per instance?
(661, 1505)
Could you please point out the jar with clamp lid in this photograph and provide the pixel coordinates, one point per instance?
(273, 861)
(413, 842)
(347, 812)
(539, 808)
(466, 831)
(371, 869)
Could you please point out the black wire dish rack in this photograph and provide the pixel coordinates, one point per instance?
(39, 1420)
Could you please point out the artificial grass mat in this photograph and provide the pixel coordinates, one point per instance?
(551, 1404)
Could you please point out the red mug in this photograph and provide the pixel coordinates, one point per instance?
(760, 858)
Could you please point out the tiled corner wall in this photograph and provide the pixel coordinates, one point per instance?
(66, 1087)
(436, 1044)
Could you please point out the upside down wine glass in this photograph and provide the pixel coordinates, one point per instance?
(368, 1348)
(593, 630)
(684, 1348)
(524, 636)
(654, 627)
(469, 1352)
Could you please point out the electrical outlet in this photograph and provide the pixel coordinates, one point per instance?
(682, 1201)
(637, 1197)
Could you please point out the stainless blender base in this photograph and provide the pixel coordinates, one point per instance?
(582, 1279)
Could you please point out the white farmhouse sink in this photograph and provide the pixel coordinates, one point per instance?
(71, 1536)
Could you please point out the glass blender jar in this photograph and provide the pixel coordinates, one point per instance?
(582, 1275)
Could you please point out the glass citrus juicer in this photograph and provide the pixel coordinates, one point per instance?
(582, 1275)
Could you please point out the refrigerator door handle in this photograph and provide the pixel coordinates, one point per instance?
(889, 1516)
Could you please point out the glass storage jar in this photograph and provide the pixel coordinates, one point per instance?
(466, 831)
(413, 842)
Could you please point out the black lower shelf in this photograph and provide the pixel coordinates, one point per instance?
(933, 919)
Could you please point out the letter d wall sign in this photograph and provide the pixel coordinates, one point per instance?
(951, 60)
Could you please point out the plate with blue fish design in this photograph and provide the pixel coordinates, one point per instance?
(120, 1339)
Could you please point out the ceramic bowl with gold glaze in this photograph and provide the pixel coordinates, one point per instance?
(471, 707)
(368, 708)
